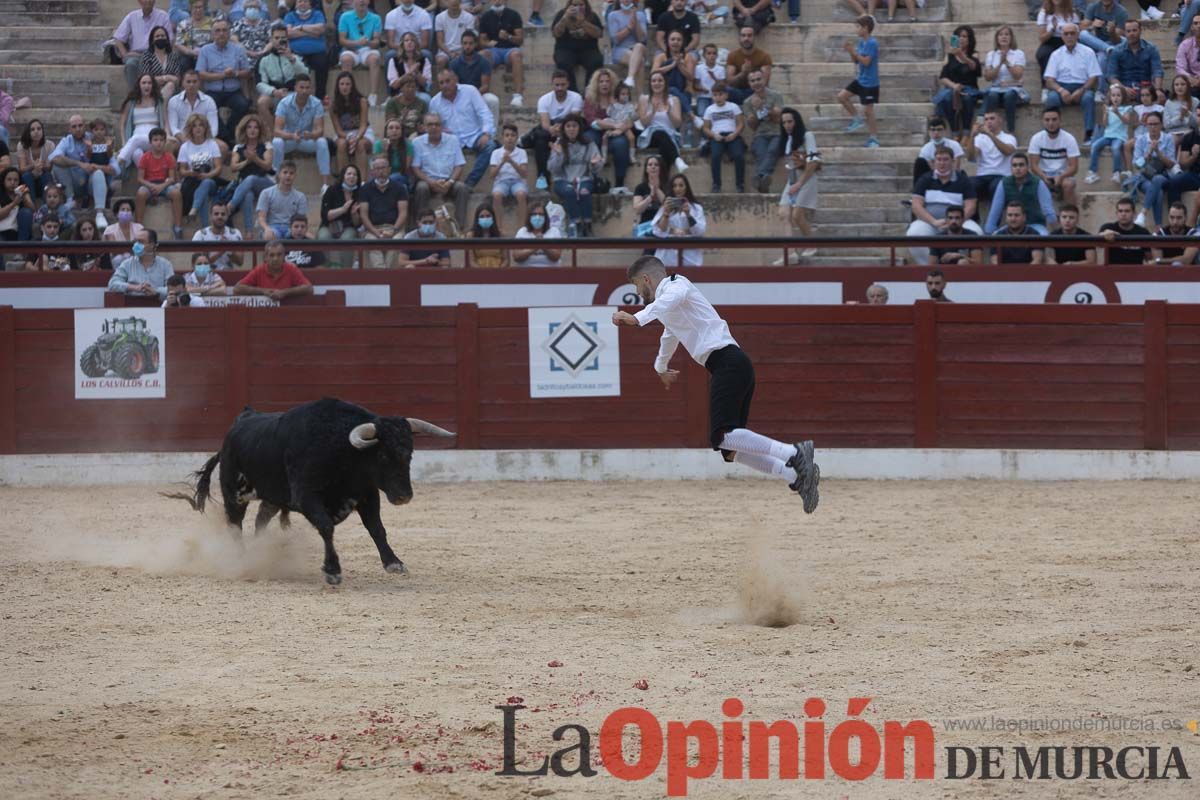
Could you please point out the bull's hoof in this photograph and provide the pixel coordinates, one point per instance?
(396, 567)
(333, 578)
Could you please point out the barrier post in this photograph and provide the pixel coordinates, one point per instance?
(925, 373)
(1154, 333)
(8, 380)
(466, 349)
(237, 358)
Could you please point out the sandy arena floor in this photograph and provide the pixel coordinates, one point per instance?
(144, 657)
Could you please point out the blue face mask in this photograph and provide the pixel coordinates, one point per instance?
(537, 220)
(428, 229)
(252, 14)
(485, 222)
(138, 249)
(202, 271)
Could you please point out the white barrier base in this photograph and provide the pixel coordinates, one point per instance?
(441, 466)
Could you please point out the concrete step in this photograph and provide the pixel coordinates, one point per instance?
(53, 37)
(822, 12)
(893, 47)
(83, 56)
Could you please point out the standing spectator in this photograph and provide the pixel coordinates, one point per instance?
(426, 254)
(276, 278)
(1187, 56)
(574, 163)
(509, 170)
(799, 198)
(351, 123)
(158, 177)
(16, 209)
(577, 31)
(194, 31)
(382, 208)
(412, 63)
(126, 228)
(660, 117)
(438, 165)
(359, 34)
(406, 18)
(162, 62)
(1068, 255)
(741, 62)
(1016, 225)
(486, 226)
(1052, 22)
(200, 166)
(300, 127)
(1103, 23)
(1135, 62)
(723, 124)
(1124, 226)
(1054, 156)
(955, 101)
(755, 13)
(475, 70)
(448, 28)
(252, 163)
(1005, 68)
(467, 118)
(407, 107)
(1154, 157)
(277, 71)
(537, 227)
(33, 158)
(340, 217)
(145, 272)
(1072, 76)
(650, 194)
(203, 280)
(85, 231)
(183, 105)
(1179, 114)
(936, 192)
(680, 216)
(553, 107)
(1118, 118)
(1176, 227)
(306, 32)
(502, 35)
(991, 148)
(865, 86)
(73, 169)
(611, 123)
(297, 238)
(220, 231)
(762, 112)
(397, 150)
(678, 19)
(142, 112)
(253, 32)
(628, 35)
(278, 204)
(224, 66)
(132, 37)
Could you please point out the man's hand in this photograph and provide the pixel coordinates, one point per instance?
(624, 318)
(668, 377)
(146, 289)
(1064, 94)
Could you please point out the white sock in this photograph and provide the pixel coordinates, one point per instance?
(767, 464)
(743, 440)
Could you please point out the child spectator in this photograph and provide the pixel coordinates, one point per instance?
(1118, 118)
(1179, 113)
(85, 231)
(45, 262)
(508, 170)
(486, 226)
(723, 124)
(865, 55)
(708, 73)
(56, 205)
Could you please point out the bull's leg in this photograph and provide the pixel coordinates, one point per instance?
(235, 505)
(266, 512)
(316, 514)
(368, 512)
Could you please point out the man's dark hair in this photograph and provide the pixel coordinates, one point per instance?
(302, 78)
(560, 73)
(867, 21)
(152, 235)
(1178, 205)
(1018, 155)
(1068, 207)
(273, 244)
(958, 209)
(470, 33)
(297, 218)
(1014, 204)
(936, 122)
(52, 218)
(154, 132)
(644, 264)
(1125, 201)
(426, 212)
(176, 279)
(508, 126)
(935, 273)
(1050, 111)
(941, 148)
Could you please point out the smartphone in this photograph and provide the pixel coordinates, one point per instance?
(954, 40)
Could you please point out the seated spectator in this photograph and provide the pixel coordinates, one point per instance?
(277, 205)
(1004, 67)
(936, 192)
(277, 71)
(1016, 225)
(56, 205)
(660, 116)
(351, 123)
(935, 285)
(158, 178)
(404, 20)
(610, 120)
(143, 111)
(1176, 227)
(200, 167)
(1072, 76)
(145, 272)
(747, 58)
(131, 39)
(877, 295)
(678, 67)
(762, 112)
(1154, 159)
(628, 35)
(33, 158)
(383, 209)
(650, 194)
(275, 278)
(162, 63)
(125, 229)
(182, 105)
(872, 5)
(467, 118)
(574, 163)
(85, 180)
(959, 79)
(300, 127)
(1069, 255)
(252, 162)
(680, 216)
(397, 150)
(1118, 119)
(1124, 226)
(253, 32)
(676, 17)
(448, 28)
(1187, 56)
(16, 209)
(502, 35)
(9, 104)
(486, 226)
(509, 171)
(1148, 104)
(1028, 190)
(577, 31)
(1052, 22)
(422, 252)
(411, 63)
(799, 198)
(708, 74)
(755, 13)
(224, 66)
(937, 138)
(1179, 113)
(407, 107)
(177, 11)
(723, 125)
(991, 148)
(194, 31)
(178, 295)
(219, 231)
(339, 212)
(203, 279)
(359, 34)
(1134, 63)
(865, 86)
(537, 227)
(297, 236)
(85, 231)
(1102, 27)
(438, 165)
(1188, 177)
(475, 70)
(553, 107)
(1054, 156)
(41, 261)
(306, 33)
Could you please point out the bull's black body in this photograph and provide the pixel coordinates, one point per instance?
(302, 460)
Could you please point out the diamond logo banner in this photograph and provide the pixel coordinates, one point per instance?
(573, 352)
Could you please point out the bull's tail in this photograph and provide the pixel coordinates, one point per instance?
(201, 493)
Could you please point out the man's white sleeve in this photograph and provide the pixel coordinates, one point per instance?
(666, 349)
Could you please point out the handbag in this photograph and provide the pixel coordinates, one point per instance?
(601, 185)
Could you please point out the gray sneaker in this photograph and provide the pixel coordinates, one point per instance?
(808, 476)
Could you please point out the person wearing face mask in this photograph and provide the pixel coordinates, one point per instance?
(125, 229)
(306, 33)
(538, 228)
(339, 212)
(163, 63)
(424, 254)
(131, 39)
(486, 226)
(145, 272)
(253, 32)
(203, 279)
(383, 208)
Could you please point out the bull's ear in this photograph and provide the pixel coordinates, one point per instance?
(421, 426)
(363, 436)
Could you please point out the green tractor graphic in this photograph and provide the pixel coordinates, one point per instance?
(125, 347)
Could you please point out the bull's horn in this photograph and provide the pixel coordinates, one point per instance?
(363, 436)
(421, 426)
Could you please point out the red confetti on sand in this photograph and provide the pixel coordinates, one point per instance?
(643, 684)
(555, 663)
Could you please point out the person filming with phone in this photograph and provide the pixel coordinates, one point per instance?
(680, 216)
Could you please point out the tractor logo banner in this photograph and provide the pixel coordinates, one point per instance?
(120, 353)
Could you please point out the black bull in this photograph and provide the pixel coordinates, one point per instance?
(323, 459)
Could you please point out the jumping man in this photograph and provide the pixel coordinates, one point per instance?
(689, 318)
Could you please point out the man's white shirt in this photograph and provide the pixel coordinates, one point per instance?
(688, 319)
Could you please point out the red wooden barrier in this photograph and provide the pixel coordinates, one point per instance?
(930, 375)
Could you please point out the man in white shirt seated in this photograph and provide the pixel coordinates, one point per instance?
(991, 148)
(1071, 78)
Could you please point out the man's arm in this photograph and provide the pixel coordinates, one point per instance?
(1046, 203)
(997, 208)
(119, 282)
